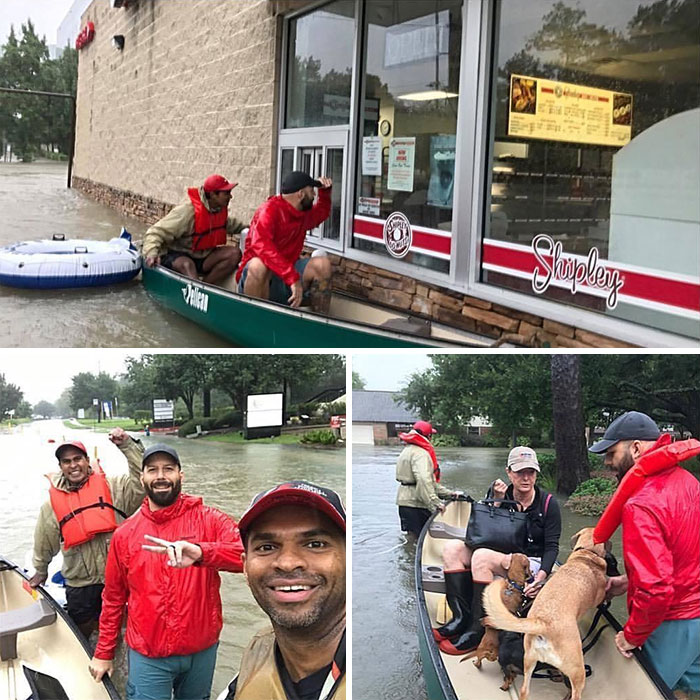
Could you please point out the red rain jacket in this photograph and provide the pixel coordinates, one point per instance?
(171, 611)
(277, 234)
(661, 547)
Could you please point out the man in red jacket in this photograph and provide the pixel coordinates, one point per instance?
(661, 547)
(271, 267)
(174, 620)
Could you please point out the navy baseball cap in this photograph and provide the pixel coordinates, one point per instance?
(297, 180)
(629, 426)
(159, 447)
(300, 493)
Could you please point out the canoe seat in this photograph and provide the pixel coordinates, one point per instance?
(414, 326)
(12, 622)
(444, 531)
(433, 579)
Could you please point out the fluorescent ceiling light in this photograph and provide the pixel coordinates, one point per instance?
(427, 95)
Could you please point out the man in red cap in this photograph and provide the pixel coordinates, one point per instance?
(418, 472)
(271, 267)
(191, 239)
(83, 510)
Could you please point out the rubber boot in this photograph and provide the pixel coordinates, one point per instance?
(469, 639)
(458, 591)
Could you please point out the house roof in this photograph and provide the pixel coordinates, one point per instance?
(380, 407)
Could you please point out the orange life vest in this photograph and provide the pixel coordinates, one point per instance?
(209, 228)
(85, 512)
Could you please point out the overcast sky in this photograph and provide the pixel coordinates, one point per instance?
(44, 374)
(389, 371)
(46, 15)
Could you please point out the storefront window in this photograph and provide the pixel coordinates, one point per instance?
(594, 174)
(406, 153)
(319, 66)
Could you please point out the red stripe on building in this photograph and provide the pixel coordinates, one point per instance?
(662, 290)
(544, 89)
(422, 238)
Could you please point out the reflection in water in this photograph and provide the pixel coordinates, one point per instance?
(386, 659)
(226, 476)
(36, 204)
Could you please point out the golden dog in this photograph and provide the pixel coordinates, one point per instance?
(518, 573)
(551, 632)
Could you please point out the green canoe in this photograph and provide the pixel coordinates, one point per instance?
(446, 678)
(257, 323)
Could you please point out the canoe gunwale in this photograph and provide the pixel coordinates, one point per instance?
(308, 316)
(8, 565)
(425, 630)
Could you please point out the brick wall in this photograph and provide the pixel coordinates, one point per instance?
(192, 93)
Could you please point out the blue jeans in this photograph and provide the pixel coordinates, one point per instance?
(182, 677)
(674, 650)
(279, 291)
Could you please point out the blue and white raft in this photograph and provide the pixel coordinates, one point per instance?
(62, 262)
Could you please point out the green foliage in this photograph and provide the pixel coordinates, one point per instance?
(523, 441)
(29, 122)
(494, 439)
(11, 397)
(595, 486)
(336, 408)
(319, 437)
(87, 386)
(190, 427)
(142, 417)
(445, 440)
(358, 383)
(547, 478)
(44, 408)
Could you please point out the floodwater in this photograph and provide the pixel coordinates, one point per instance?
(226, 476)
(386, 659)
(36, 203)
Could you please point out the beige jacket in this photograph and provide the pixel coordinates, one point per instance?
(84, 564)
(418, 489)
(174, 231)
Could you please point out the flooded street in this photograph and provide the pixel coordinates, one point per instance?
(225, 475)
(386, 660)
(36, 204)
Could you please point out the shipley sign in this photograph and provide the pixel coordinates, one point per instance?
(572, 271)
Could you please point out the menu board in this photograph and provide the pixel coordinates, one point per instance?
(546, 109)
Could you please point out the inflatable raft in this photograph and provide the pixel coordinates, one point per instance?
(62, 262)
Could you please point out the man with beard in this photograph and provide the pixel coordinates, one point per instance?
(174, 620)
(658, 505)
(75, 521)
(294, 562)
(271, 267)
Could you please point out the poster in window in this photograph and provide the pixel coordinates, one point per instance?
(372, 155)
(402, 154)
(442, 170)
(547, 109)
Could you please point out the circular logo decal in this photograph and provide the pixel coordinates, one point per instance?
(398, 235)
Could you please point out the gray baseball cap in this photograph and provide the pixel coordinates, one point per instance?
(159, 447)
(632, 425)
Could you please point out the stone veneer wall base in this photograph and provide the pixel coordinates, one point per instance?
(503, 324)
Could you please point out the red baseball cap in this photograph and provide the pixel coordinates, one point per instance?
(217, 183)
(75, 443)
(423, 427)
(300, 493)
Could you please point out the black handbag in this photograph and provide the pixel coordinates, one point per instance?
(501, 529)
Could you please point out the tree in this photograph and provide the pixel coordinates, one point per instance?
(11, 396)
(45, 409)
(62, 403)
(87, 386)
(358, 383)
(567, 413)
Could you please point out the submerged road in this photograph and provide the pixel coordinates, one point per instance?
(36, 203)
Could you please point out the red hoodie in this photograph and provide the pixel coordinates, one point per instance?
(277, 234)
(171, 611)
(661, 546)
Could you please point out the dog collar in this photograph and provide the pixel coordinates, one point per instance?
(517, 586)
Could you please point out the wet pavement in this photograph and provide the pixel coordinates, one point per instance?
(36, 203)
